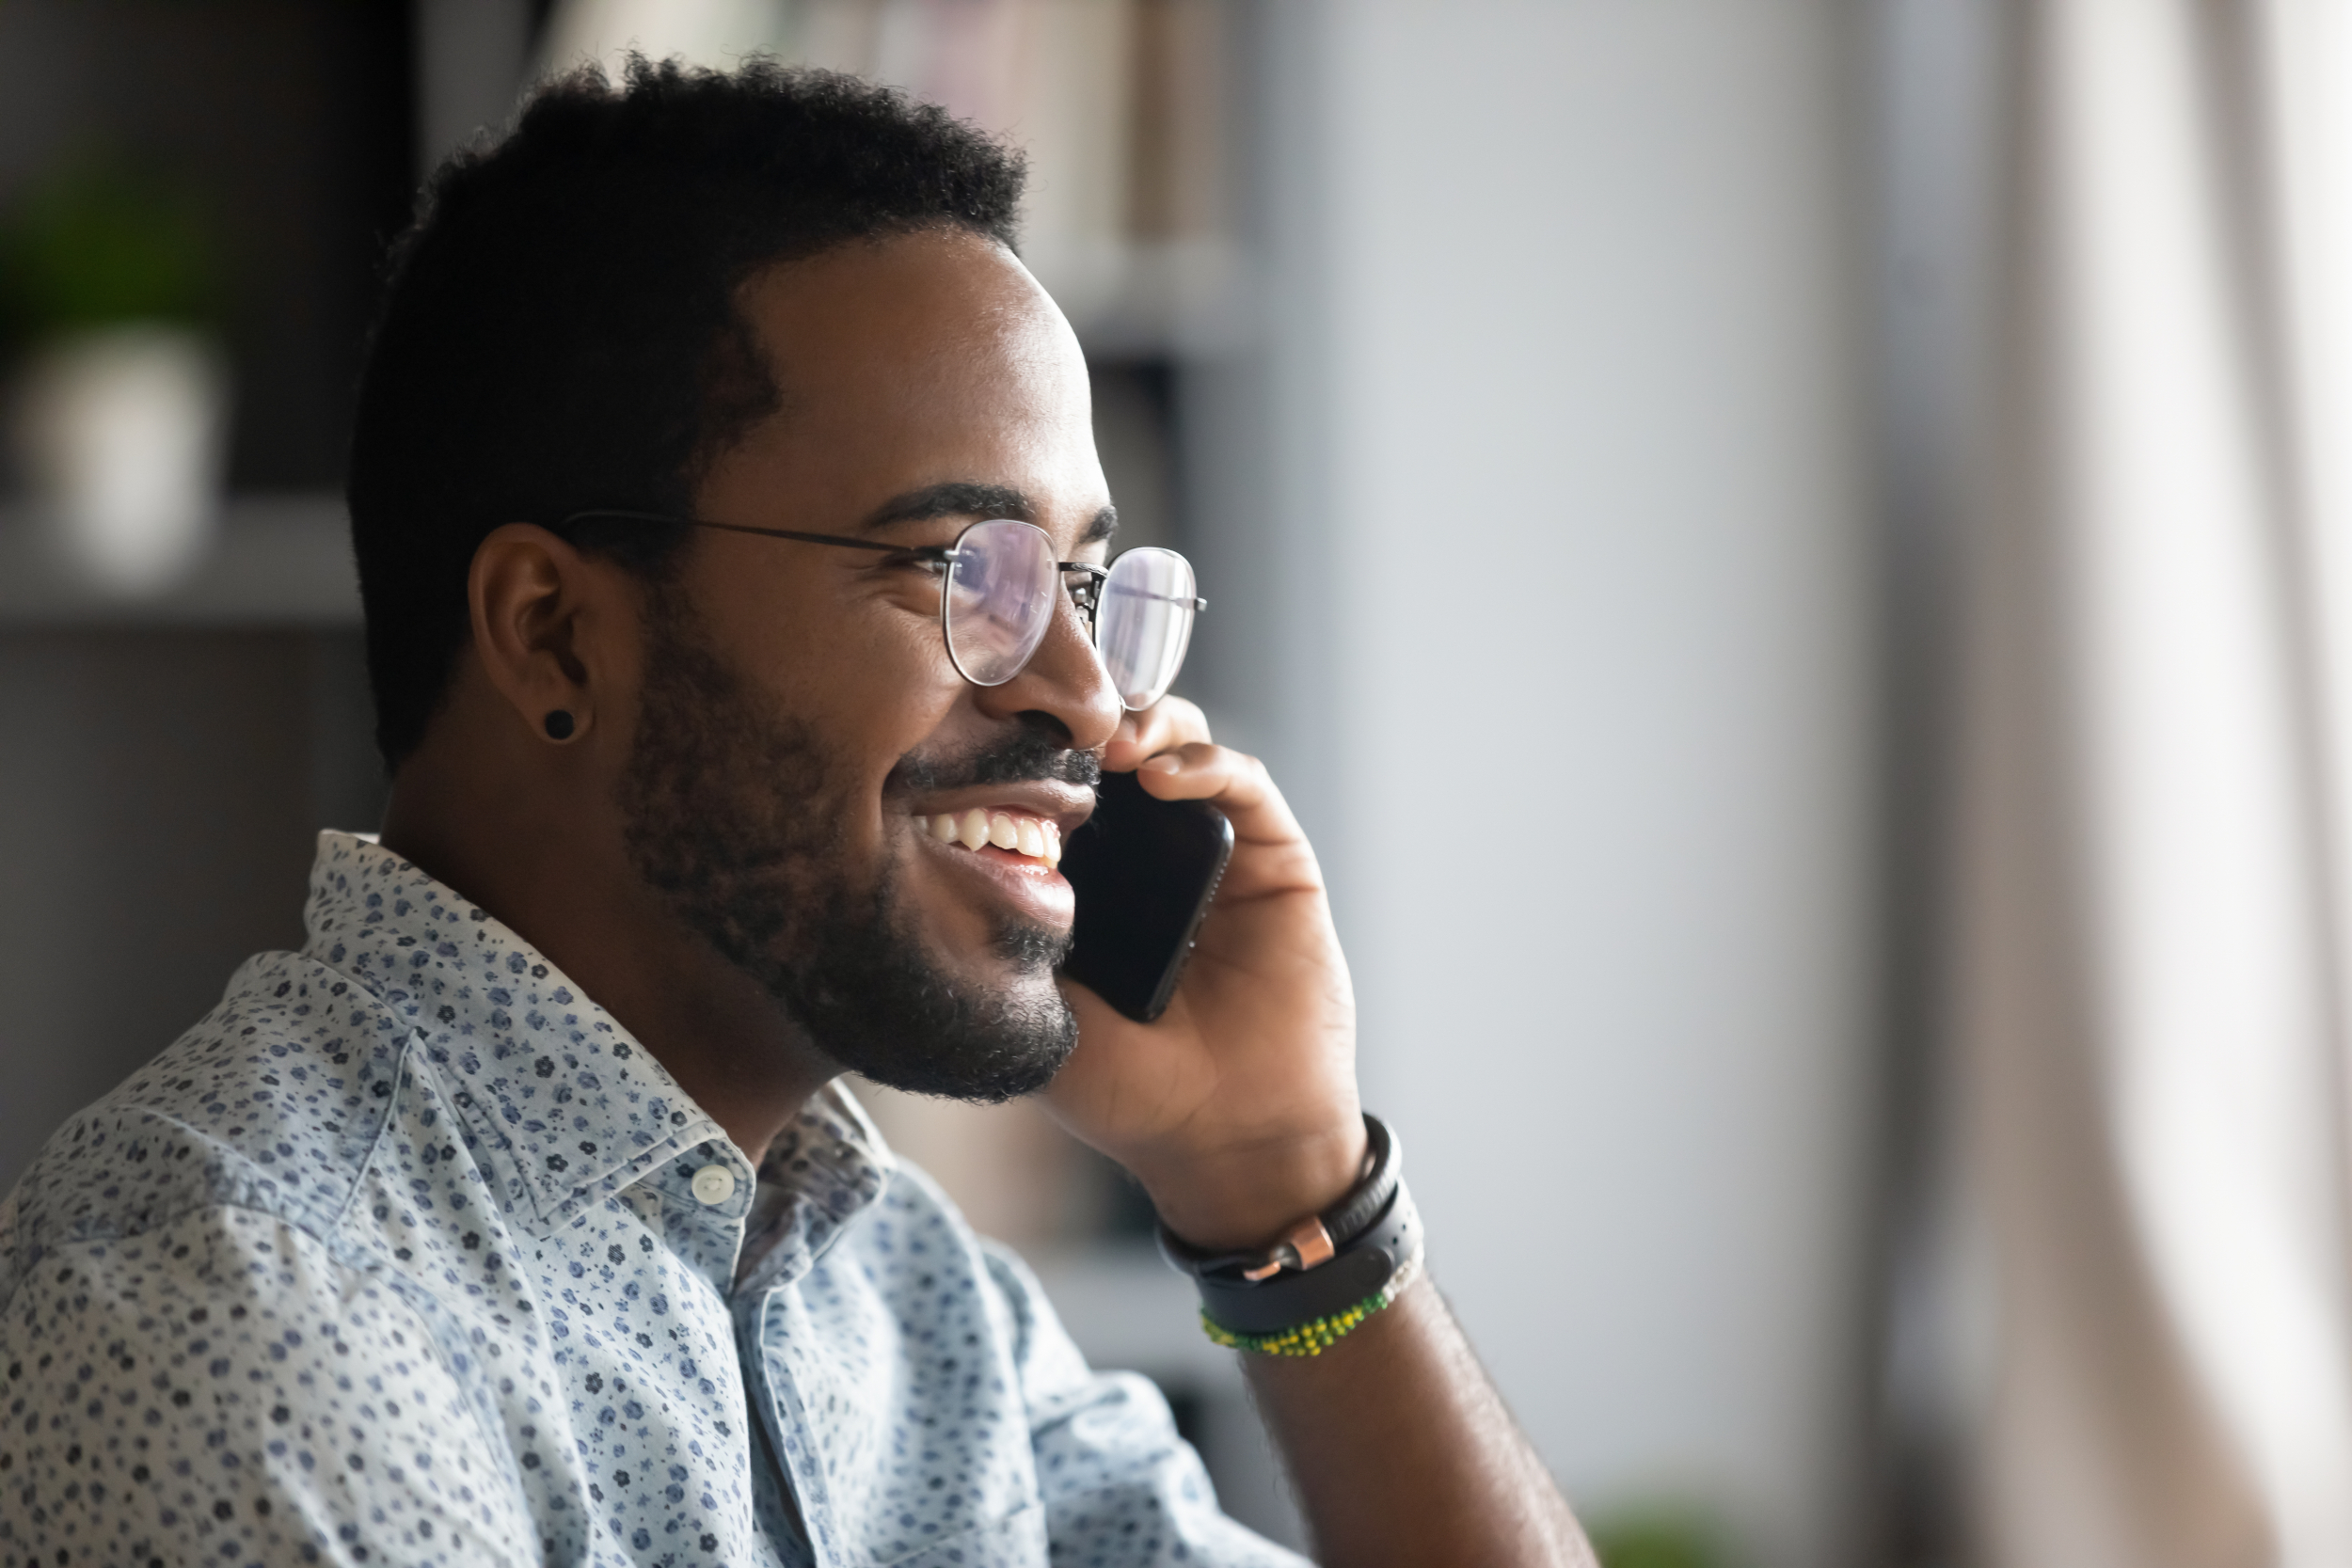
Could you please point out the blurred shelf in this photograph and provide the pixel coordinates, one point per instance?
(278, 561)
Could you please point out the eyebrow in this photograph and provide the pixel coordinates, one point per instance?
(961, 498)
(954, 499)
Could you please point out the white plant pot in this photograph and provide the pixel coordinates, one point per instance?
(123, 435)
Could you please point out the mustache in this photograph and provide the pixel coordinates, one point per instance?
(1037, 752)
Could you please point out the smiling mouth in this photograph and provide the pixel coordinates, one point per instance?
(1036, 838)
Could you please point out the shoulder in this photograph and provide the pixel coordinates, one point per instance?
(222, 1380)
(270, 1103)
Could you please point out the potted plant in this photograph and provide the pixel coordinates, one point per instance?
(120, 411)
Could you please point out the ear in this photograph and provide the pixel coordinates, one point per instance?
(540, 610)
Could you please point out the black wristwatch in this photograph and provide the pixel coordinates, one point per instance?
(1323, 1265)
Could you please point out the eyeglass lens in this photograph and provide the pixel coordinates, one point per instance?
(1000, 599)
(1000, 592)
(1145, 623)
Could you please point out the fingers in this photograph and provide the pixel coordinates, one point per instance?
(1202, 771)
(1170, 722)
(1168, 748)
(1233, 782)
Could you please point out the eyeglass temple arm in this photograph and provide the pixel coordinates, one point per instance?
(1101, 573)
(920, 552)
(940, 553)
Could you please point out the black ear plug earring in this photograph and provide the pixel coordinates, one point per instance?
(559, 725)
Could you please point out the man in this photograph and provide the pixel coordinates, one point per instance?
(518, 1217)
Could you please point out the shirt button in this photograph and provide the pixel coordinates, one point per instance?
(714, 1185)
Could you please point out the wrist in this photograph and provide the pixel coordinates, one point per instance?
(1325, 1277)
(1246, 1196)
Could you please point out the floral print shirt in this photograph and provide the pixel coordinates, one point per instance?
(408, 1254)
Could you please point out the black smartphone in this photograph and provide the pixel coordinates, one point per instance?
(1145, 871)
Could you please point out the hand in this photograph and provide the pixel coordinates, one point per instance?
(1238, 1110)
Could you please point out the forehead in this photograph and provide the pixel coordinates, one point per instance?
(920, 360)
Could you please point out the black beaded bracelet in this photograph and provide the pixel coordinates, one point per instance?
(1329, 1267)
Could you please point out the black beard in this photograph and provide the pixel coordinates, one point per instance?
(732, 814)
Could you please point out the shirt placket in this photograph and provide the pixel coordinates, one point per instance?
(824, 1180)
(704, 1196)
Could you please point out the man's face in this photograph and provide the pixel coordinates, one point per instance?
(800, 721)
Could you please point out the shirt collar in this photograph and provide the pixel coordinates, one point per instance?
(543, 1075)
(825, 1168)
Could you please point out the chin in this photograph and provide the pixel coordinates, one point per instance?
(989, 1028)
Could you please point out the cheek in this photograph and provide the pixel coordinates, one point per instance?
(865, 670)
(873, 687)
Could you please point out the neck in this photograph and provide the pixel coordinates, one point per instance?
(715, 1029)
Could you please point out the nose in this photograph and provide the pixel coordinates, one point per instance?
(1064, 679)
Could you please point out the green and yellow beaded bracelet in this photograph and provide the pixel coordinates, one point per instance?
(1316, 1335)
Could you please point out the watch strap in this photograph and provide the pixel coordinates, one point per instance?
(1313, 1242)
(1362, 1270)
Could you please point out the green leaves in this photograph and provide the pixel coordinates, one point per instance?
(1654, 1538)
(100, 243)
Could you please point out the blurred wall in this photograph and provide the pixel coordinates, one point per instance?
(160, 790)
(1536, 539)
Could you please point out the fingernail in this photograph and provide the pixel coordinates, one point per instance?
(1167, 762)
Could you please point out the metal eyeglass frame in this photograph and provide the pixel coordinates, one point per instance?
(1085, 595)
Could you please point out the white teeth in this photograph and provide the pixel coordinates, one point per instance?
(1034, 836)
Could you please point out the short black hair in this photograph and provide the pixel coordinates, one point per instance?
(560, 332)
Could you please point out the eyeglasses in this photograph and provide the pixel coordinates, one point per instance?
(996, 598)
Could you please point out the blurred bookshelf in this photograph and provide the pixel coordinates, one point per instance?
(1126, 111)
